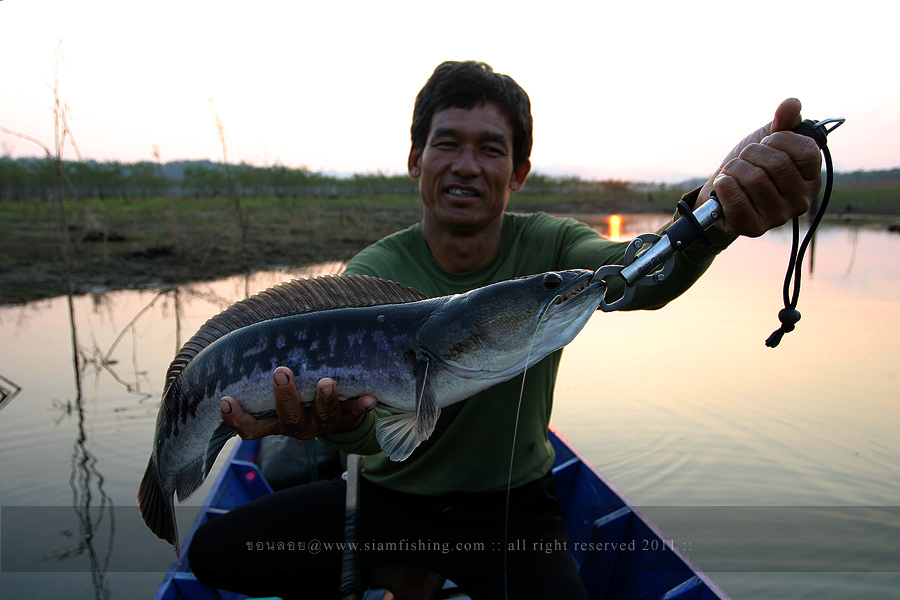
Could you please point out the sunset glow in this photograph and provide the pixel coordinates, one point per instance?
(615, 227)
(618, 90)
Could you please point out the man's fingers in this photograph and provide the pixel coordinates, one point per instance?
(285, 390)
(803, 153)
(787, 116)
(325, 415)
(740, 208)
(327, 407)
(245, 425)
(364, 404)
(290, 411)
(769, 183)
(334, 415)
(769, 177)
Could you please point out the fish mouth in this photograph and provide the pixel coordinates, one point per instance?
(577, 292)
(574, 291)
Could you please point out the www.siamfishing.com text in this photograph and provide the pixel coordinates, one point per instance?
(318, 546)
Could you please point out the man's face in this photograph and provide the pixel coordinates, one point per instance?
(465, 170)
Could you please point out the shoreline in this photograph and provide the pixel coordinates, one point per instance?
(162, 251)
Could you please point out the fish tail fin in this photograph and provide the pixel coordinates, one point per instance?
(157, 508)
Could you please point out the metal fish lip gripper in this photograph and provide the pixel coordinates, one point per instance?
(650, 258)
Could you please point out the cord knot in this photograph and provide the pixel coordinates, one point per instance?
(788, 318)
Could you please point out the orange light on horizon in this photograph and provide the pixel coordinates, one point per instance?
(614, 224)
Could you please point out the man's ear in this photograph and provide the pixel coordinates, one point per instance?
(517, 181)
(413, 162)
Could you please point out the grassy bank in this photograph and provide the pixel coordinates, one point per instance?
(166, 241)
(163, 241)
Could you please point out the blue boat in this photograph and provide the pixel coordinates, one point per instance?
(618, 551)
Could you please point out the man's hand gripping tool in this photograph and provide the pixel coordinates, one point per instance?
(650, 258)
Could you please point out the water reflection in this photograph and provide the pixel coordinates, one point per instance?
(615, 227)
(104, 360)
(95, 516)
(693, 391)
(8, 391)
(679, 406)
(853, 237)
(119, 345)
(621, 228)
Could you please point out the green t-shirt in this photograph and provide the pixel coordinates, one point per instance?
(471, 446)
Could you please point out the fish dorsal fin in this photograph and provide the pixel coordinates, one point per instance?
(292, 298)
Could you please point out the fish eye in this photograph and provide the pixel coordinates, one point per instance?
(552, 280)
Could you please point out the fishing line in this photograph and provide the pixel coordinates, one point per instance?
(512, 454)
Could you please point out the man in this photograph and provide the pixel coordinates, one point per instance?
(481, 483)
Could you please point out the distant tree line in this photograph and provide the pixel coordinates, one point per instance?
(891, 175)
(35, 178)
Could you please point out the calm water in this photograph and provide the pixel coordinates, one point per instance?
(777, 470)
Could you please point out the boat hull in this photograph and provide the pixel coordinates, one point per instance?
(619, 552)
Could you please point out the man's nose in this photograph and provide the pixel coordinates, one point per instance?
(466, 163)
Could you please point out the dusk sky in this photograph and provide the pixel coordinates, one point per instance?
(637, 90)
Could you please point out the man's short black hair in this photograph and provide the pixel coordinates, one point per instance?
(466, 84)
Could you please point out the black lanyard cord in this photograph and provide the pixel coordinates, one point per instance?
(789, 315)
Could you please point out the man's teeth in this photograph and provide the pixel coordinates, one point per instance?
(459, 192)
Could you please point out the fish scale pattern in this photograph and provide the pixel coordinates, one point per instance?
(292, 297)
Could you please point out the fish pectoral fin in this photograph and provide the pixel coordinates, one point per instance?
(397, 435)
(401, 433)
(217, 441)
(427, 409)
(188, 479)
(192, 476)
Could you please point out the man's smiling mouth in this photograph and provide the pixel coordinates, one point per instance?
(463, 193)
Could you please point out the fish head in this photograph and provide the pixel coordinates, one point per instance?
(507, 326)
